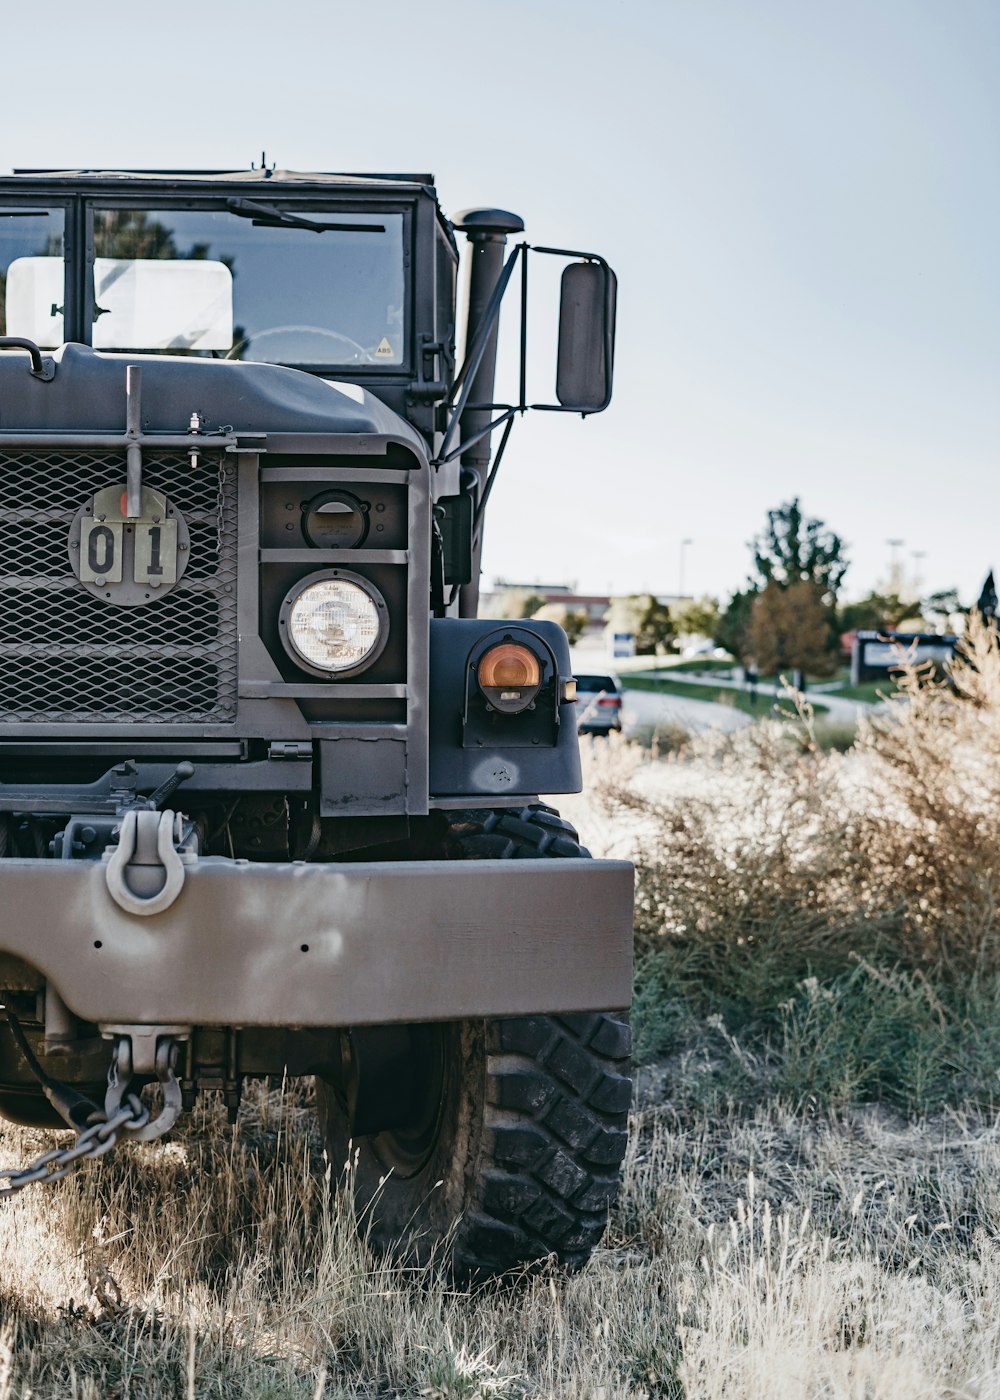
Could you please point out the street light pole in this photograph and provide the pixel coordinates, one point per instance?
(895, 582)
(918, 555)
(680, 572)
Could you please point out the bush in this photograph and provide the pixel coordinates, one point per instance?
(792, 859)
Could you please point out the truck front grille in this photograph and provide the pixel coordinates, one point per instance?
(67, 656)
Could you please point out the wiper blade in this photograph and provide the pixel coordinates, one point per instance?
(269, 214)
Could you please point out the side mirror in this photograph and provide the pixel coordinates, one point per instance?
(586, 337)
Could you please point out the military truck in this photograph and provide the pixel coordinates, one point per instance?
(269, 786)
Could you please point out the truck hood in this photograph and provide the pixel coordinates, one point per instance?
(87, 394)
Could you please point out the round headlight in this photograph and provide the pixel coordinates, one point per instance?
(334, 623)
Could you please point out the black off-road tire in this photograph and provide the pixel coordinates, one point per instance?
(523, 1156)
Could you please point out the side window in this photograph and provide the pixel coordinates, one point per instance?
(32, 274)
(447, 272)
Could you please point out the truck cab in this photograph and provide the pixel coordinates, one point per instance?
(264, 772)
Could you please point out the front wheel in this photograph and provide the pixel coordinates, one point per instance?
(517, 1127)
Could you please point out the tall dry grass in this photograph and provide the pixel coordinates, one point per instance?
(758, 844)
(761, 1255)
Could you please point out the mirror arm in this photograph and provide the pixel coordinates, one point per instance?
(477, 519)
(506, 417)
(466, 376)
(474, 358)
(474, 354)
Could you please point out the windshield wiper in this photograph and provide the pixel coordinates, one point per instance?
(269, 215)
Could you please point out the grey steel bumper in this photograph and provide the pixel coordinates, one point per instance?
(328, 945)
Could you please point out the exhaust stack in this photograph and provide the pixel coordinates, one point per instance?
(487, 231)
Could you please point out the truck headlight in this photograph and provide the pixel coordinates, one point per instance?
(334, 623)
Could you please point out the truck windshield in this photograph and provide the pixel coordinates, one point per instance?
(315, 288)
(309, 287)
(27, 235)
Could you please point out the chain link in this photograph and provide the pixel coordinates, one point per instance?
(94, 1141)
(220, 503)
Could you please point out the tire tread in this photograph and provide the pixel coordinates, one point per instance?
(558, 1094)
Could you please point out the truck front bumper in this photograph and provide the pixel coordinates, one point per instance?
(328, 945)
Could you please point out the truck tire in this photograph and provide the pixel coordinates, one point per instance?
(517, 1152)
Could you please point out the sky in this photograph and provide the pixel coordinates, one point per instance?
(800, 199)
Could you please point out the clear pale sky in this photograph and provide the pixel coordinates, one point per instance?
(801, 200)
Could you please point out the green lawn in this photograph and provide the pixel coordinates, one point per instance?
(872, 691)
(694, 663)
(690, 690)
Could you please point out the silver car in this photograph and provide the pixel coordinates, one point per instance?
(598, 704)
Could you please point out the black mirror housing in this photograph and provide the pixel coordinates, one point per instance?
(586, 336)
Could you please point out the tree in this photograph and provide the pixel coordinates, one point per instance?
(986, 605)
(572, 621)
(699, 617)
(939, 608)
(646, 618)
(790, 630)
(877, 612)
(795, 548)
(132, 233)
(733, 628)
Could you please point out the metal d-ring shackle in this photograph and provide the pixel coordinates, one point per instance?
(145, 835)
(146, 841)
(120, 1079)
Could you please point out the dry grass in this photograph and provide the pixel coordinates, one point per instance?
(760, 840)
(811, 1199)
(760, 1254)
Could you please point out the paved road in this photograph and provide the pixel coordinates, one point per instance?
(643, 708)
(838, 708)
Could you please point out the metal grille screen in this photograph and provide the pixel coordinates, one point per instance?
(68, 656)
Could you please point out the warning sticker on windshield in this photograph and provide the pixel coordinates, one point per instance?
(384, 351)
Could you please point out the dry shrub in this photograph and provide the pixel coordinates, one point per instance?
(761, 856)
(927, 835)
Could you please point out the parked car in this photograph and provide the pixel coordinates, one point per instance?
(598, 704)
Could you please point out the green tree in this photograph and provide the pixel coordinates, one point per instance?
(698, 617)
(656, 631)
(646, 618)
(131, 233)
(877, 612)
(790, 630)
(794, 548)
(938, 608)
(733, 628)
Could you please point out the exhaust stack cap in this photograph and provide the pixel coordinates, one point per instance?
(488, 221)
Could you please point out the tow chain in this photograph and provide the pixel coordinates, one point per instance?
(98, 1130)
(94, 1141)
(220, 503)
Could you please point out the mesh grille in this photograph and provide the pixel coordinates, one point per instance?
(68, 656)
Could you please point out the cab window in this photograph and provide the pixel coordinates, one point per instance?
(32, 273)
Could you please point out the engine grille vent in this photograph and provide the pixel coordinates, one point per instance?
(68, 656)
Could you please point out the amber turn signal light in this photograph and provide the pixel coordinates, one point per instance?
(510, 676)
(509, 664)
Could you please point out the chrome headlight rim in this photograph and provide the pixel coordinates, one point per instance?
(341, 576)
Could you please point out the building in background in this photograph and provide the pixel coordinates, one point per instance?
(506, 594)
